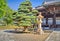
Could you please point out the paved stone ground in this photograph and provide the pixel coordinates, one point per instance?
(55, 36)
(5, 36)
(11, 36)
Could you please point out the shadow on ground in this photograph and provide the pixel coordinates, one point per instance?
(13, 31)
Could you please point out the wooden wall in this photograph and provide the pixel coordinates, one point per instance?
(51, 8)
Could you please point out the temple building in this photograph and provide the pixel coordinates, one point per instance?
(50, 10)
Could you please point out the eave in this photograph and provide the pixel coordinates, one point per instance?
(51, 3)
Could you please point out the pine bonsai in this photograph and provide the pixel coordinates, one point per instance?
(26, 16)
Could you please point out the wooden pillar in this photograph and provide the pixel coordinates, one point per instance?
(54, 18)
(46, 21)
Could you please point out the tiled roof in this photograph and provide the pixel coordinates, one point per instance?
(40, 7)
(51, 2)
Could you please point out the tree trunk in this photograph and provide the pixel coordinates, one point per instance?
(25, 29)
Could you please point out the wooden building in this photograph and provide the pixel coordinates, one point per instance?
(50, 9)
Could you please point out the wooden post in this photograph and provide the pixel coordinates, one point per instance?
(46, 21)
(54, 18)
(46, 18)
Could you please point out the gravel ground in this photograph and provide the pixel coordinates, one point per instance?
(11, 36)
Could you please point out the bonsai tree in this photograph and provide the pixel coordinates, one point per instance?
(25, 16)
